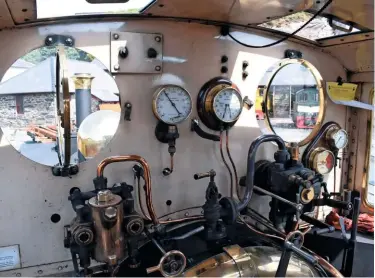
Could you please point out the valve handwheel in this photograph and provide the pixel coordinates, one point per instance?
(173, 263)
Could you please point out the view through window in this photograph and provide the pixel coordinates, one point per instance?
(61, 8)
(319, 28)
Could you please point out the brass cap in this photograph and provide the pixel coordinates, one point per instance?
(82, 81)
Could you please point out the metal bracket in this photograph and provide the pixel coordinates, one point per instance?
(53, 40)
(128, 110)
(136, 52)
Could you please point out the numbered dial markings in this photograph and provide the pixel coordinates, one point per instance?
(340, 138)
(324, 162)
(227, 105)
(172, 104)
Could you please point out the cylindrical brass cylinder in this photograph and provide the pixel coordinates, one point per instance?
(82, 84)
(108, 214)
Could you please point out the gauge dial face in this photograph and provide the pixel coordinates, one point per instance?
(227, 105)
(340, 138)
(324, 162)
(172, 104)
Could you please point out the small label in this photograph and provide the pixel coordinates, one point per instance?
(10, 257)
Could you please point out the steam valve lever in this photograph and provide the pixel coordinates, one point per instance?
(168, 134)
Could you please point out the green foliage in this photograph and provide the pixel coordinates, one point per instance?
(40, 54)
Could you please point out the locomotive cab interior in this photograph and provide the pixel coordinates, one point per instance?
(195, 138)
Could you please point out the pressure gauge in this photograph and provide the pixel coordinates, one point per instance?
(219, 104)
(322, 161)
(227, 105)
(337, 138)
(171, 104)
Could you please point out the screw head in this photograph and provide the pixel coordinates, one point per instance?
(116, 36)
(69, 41)
(158, 68)
(116, 67)
(158, 39)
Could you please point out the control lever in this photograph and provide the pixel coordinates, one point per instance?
(348, 257)
(322, 228)
(293, 242)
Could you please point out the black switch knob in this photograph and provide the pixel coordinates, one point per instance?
(245, 74)
(151, 53)
(123, 52)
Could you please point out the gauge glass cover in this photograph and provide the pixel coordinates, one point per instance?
(172, 104)
(227, 105)
(340, 138)
(324, 162)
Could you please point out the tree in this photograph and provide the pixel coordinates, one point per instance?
(40, 54)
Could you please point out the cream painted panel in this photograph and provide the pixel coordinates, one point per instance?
(22, 10)
(29, 192)
(5, 17)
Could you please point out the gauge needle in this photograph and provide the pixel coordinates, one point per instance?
(230, 113)
(174, 105)
(339, 140)
(225, 110)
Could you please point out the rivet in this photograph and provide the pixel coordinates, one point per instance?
(186, 214)
(355, 113)
(158, 39)
(349, 120)
(69, 41)
(351, 167)
(349, 180)
(353, 140)
(354, 127)
(158, 68)
(18, 274)
(116, 67)
(351, 153)
(169, 219)
(202, 212)
(116, 36)
(60, 268)
(40, 271)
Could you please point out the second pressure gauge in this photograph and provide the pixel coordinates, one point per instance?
(171, 104)
(337, 138)
(322, 161)
(219, 104)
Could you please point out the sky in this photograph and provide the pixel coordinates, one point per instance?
(58, 8)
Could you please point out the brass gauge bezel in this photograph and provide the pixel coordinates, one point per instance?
(331, 140)
(313, 163)
(156, 95)
(206, 99)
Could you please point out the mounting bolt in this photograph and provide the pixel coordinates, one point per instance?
(158, 39)
(116, 36)
(123, 52)
(69, 41)
(245, 64)
(116, 67)
(158, 68)
(60, 268)
(354, 127)
(245, 74)
(224, 69)
(40, 271)
(186, 214)
(224, 59)
(110, 212)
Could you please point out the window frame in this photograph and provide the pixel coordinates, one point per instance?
(365, 202)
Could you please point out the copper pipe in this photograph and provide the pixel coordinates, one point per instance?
(147, 175)
(140, 200)
(233, 165)
(226, 164)
(258, 232)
